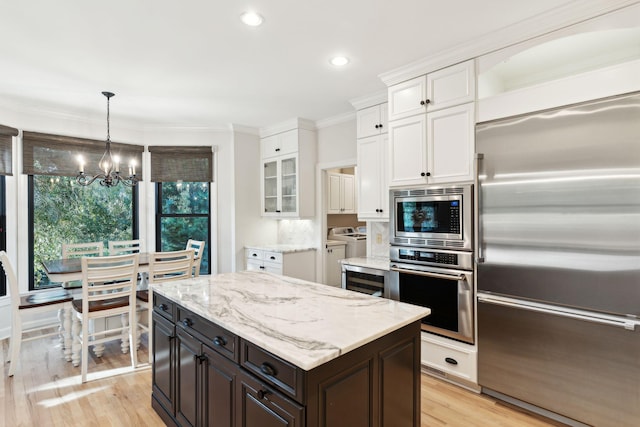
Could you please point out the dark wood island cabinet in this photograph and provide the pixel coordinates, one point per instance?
(205, 375)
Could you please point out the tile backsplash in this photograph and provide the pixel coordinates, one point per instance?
(296, 232)
(378, 236)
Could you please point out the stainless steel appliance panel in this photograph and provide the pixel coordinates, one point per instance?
(559, 197)
(583, 370)
(369, 281)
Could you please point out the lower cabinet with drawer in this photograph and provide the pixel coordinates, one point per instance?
(204, 375)
(300, 264)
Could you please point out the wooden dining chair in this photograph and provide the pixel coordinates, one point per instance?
(34, 303)
(74, 250)
(108, 289)
(198, 248)
(121, 247)
(163, 267)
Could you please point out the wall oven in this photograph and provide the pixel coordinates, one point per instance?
(433, 216)
(441, 280)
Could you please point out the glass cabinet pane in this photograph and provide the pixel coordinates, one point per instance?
(270, 186)
(289, 203)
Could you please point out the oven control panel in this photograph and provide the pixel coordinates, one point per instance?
(432, 257)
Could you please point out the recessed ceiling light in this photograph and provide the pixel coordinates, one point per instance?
(252, 19)
(339, 61)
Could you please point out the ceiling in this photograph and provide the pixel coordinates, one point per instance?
(194, 64)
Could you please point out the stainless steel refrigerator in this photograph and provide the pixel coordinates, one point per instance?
(558, 265)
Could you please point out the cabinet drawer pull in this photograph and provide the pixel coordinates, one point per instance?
(163, 307)
(262, 267)
(272, 257)
(451, 360)
(262, 394)
(220, 341)
(254, 255)
(267, 369)
(187, 323)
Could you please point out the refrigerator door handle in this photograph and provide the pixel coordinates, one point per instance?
(477, 209)
(603, 319)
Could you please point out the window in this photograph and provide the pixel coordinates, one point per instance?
(183, 176)
(62, 211)
(6, 160)
(183, 214)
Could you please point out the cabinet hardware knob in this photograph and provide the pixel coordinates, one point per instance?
(423, 174)
(187, 323)
(421, 102)
(381, 210)
(262, 394)
(220, 341)
(428, 173)
(254, 254)
(277, 149)
(267, 369)
(381, 126)
(377, 126)
(451, 360)
(163, 307)
(272, 257)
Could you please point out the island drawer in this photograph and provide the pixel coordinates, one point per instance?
(214, 336)
(287, 377)
(164, 307)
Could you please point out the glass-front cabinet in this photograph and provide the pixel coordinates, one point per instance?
(288, 160)
(280, 181)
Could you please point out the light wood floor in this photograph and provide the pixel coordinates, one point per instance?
(46, 391)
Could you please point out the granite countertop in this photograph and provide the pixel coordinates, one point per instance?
(284, 248)
(305, 323)
(379, 263)
(329, 243)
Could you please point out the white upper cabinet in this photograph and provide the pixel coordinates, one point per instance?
(441, 89)
(432, 148)
(341, 194)
(372, 121)
(373, 181)
(288, 174)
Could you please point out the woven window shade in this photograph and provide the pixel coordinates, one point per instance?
(6, 135)
(179, 163)
(45, 154)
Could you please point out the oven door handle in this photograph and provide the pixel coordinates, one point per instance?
(458, 277)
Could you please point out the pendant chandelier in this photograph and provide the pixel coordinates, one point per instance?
(109, 164)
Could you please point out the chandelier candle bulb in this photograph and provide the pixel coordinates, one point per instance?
(116, 159)
(81, 163)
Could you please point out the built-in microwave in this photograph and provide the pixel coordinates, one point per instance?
(433, 216)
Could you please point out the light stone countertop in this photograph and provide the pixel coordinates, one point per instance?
(284, 248)
(379, 263)
(305, 323)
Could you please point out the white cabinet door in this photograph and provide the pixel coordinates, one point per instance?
(280, 186)
(347, 194)
(450, 142)
(333, 268)
(408, 98)
(373, 186)
(279, 144)
(334, 205)
(341, 194)
(451, 86)
(372, 121)
(408, 151)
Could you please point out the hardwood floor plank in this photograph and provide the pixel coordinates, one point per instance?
(46, 391)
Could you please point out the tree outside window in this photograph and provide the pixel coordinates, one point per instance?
(63, 211)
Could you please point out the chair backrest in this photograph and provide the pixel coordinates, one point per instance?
(198, 248)
(109, 278)
(168, 266)
(121, 247)
(74, 250)
(11, 279)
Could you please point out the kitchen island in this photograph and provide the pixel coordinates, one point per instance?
(256, 349)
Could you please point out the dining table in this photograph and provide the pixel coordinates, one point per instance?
(69, 270)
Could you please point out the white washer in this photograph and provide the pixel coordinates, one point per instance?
(356, 242)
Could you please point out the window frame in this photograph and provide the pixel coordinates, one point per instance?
(135, 227)
(159, 215)
(3, 231)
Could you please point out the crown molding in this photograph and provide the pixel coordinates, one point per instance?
(295, 123)
(336, 120)
(244, 129)
(569, 14)
(370, 100)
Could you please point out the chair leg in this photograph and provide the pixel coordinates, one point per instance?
(133, 333)
(76, 346)
(15, 342)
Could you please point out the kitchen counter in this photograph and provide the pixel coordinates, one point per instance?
(304, 323)
(379, 263)
(282, 248)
